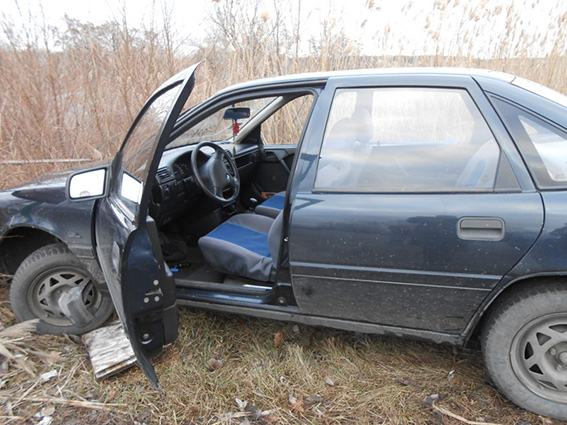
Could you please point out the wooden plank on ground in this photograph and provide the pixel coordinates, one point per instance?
(109, 350)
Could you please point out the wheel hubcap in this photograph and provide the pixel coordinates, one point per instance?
(539, 357)
(45, 291)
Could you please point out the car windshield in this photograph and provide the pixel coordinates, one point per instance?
(215, 127)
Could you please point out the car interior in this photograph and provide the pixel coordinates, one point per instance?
(219, 193)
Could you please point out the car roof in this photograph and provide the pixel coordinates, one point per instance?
(314, 77)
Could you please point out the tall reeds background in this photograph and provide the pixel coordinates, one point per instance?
(72, 92)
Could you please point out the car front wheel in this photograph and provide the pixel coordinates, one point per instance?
(524, 344)
(41, 289)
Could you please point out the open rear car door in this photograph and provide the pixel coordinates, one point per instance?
(127, 245)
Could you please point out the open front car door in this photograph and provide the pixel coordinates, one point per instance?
(141, 284)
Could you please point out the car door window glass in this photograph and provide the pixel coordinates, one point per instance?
(139, 149)
(285, 126)
(542, 144)
(406, 139)
(551, 146)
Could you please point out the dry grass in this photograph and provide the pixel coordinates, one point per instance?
(286, 374)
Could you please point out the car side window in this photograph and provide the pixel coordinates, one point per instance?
(139, 148)
(215, 128)
(406, 139)
(286, 125)
(543, 145)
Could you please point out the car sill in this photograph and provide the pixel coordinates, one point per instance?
(279, 313)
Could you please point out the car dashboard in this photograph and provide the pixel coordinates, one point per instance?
(176, 191)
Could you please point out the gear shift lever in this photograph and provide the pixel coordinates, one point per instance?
(253, 204)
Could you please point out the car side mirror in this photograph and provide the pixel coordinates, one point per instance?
(236, 113)
(90, 184)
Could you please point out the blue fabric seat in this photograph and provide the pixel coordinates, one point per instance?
(272, 206)
(245, 245)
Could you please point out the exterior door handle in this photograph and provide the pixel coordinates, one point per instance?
(481, 228)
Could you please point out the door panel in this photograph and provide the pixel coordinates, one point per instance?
(398, 259)
(141, 284)
(145, 301)
(274, 169)
(389, 198)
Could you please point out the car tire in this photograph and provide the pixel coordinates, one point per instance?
(40, 281)
(524, 343)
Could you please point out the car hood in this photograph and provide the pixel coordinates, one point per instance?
(50, 187)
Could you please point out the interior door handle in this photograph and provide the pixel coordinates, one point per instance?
(481, 228)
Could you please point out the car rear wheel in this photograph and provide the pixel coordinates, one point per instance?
(524, 344)
(41, 289)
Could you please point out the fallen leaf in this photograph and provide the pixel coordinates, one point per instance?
(46, 420)
(49, 358)
(44, 377)
(408, 382)
(270, 419)
(312, 399)
(278, 339)
(297, 407)
(254, 412)
(214, 363)
(47, 411)
(430, 399)
(241, 403)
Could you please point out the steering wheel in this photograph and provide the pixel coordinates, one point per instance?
(217, 175)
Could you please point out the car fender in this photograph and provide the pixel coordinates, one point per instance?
(56, 218)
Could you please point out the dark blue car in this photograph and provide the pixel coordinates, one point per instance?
(425, 203)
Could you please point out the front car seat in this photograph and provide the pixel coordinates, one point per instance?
(272, 206)
(246, 245)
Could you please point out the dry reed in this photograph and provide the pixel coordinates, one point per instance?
(73, 92)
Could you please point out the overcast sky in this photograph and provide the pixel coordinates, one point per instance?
(411, 27)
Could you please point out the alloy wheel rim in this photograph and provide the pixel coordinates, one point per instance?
(539, 357)
(47, 288)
